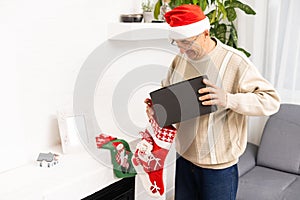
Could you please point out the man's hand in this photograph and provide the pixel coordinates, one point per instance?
(149, 110)
(216, 96)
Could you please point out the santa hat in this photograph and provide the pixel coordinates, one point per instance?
(186, 21)
(118, 145)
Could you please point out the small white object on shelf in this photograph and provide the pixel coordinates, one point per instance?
(70, 126)
(47, 159)
(148, 16)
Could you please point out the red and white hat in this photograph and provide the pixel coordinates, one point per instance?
(118, 145)
(186, 21)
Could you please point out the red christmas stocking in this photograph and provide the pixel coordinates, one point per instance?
(150, 156)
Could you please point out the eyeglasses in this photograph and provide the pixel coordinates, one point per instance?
(185, 44)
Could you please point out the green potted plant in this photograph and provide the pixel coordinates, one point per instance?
(147, 7)
(222, 16)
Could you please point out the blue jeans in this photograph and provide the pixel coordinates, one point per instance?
(196, 183)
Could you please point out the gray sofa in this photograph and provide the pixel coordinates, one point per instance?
(272, 170)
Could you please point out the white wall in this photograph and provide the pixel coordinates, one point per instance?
(43, 45)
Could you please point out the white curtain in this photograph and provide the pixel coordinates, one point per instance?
(282, 61)
(273, 38)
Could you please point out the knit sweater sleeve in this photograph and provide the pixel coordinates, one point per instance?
(255, 96)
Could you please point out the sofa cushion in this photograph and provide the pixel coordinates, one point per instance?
(293, 191)
(248, 159)
(262, 183)
(280, 143)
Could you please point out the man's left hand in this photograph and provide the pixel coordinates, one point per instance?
(216, 96)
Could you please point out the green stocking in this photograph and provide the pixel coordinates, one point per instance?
(120, 156)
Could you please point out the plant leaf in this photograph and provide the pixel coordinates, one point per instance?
(226, 3)
(203, 4)
(244, 7)
(212, 16)
(233, 34)
(157, 9)
(231, 14)
(174, 3)
(233, 37)
(212, 32)
(209, 15)
(221, 32)
(222, 9)
(244, 51)
(230, 41)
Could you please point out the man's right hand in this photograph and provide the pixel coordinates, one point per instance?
(149, 110)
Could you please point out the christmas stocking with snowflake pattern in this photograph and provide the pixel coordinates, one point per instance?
(150, 155)
(120, 155)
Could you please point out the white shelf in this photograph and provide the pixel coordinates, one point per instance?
(76, 176)
(137, 31)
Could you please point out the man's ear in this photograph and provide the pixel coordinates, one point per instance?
(206, 33)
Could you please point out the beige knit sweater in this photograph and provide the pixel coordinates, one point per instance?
(217, 140)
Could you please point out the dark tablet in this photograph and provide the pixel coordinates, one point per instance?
(179, 102)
